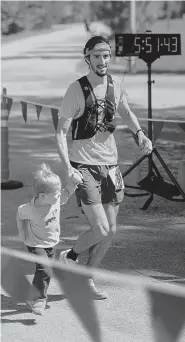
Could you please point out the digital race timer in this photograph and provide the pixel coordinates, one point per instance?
(147, 44)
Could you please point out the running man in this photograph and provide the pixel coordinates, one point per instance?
(89, 105)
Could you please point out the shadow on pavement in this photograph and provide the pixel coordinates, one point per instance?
(56, 298)
(8, 304)
(155, 257)
(159, 260)
(13, 308)
(27, 321)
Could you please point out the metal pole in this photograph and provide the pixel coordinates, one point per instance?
(133, 16)
(132, 28)
(149, 115)
(168, 15)
(4, 139)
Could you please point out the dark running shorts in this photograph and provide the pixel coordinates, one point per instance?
(101, 184)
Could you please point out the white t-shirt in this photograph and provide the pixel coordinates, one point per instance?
(101, 148)
(42, 225)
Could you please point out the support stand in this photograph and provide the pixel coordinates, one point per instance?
(6, 184)
(154, 182)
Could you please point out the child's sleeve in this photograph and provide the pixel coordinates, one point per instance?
(22, 217)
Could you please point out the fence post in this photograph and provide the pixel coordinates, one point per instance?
(181, 174)
(6, 184)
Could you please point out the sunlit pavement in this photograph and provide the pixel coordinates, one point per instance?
(122, 317)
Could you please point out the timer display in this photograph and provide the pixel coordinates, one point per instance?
(147, 44)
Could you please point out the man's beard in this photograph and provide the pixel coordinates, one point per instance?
(100, 74)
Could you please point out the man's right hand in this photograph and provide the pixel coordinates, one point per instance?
(76, 177)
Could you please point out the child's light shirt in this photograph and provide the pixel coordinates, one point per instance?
(42, 227)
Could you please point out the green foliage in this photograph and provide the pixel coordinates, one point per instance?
(171, 9)
(115, 14)
(24, 15)
(34, 15)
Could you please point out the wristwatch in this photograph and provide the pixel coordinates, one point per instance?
(139, 130)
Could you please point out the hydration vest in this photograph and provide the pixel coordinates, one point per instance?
(95, 117)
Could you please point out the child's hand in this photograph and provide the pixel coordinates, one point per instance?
(71, 187)
(67, 192)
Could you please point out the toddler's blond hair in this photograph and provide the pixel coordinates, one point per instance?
(45, 181)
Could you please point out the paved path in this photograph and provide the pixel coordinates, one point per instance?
(55, 39)
(60, 323)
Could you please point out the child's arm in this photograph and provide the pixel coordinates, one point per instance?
(68, 191)
(21, 226)
(22, 217)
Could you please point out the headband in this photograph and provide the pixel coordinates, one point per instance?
(98, 47)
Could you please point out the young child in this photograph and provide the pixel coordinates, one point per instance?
(38, 223)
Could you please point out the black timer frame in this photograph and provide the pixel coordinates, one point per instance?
(153, 183)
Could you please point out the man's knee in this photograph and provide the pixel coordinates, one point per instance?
(101, 230)
(113, 230)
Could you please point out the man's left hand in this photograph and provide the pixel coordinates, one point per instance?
(145, 144)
